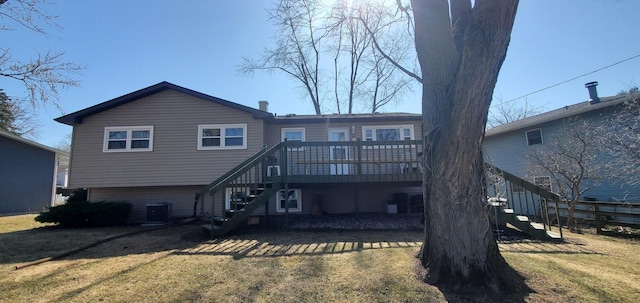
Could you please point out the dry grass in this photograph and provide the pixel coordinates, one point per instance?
(285, 266)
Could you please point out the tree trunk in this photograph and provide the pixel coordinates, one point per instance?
(460, 65)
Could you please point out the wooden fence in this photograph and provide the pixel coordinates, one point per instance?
(600, 213)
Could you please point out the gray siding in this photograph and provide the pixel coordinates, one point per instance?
(26, 177)
(175, 159)
(180, 197)
(319, 131)
(508, 151)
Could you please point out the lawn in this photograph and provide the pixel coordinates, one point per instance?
(169, 265)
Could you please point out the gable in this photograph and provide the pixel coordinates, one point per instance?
(79, 116)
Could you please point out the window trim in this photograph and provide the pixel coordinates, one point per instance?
(222, 128)
(229, 190)
(298, 193)
(302, 130)
(128, 139)
(399, 127)
(526, 135)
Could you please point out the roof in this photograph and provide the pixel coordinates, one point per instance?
(32, 143)
(77, 117)
(293, 118)
(557, 114)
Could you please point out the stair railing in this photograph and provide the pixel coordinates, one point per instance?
(251, 173)
(524, 197)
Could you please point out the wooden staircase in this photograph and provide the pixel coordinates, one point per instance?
(241, 207)
(511, 194)
(501, 215)
(246, 186)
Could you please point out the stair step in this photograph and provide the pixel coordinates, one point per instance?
(507, 210)
(241, 203)
(209, 227)
(522, 218)
(537, 226)
(218, 221)
(554, 236)
(231, 212)
(258, 190)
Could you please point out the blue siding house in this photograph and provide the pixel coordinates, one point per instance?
(28, 174)
(507, 145)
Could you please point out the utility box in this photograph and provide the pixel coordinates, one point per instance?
(392, 207)
(158, 214)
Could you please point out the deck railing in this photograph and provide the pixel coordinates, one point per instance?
(351, 161)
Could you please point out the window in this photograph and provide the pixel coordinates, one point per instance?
(236, 194)
(293, 134)
(534, 137)
(128, 139)
(295, 201)
(543, 181)
(222, 136)
(387, 133)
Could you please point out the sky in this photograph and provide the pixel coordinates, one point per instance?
(130, 45)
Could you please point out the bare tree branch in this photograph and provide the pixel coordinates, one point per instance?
(46, 74)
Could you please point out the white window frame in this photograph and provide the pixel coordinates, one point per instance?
(229, 191)
(526, 135)
(373, 129)
(128, 139)
(400, 128)
(296, 196)
(222, 128)
(293, 129)
(541, 184)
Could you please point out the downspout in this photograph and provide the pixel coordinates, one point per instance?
(55, 178)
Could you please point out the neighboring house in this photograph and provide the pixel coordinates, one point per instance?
(29, 172)
(507, 145)
(164, 143)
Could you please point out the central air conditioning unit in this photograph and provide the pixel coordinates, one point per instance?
(158, 214)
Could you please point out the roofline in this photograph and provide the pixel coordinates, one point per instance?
(32, 143)
(78, 116)
(531, 121)
(325, 119)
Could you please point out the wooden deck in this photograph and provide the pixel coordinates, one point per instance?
(349, 162)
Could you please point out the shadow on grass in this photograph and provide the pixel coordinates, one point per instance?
(29, 245)
(289, 243)
(43, 242)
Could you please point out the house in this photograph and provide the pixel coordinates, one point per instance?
(202, 155)
(507, 145)
(29, 172)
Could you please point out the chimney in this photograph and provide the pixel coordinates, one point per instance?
(593, 92)
(263, 106)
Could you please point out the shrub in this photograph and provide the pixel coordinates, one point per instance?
(79, 213)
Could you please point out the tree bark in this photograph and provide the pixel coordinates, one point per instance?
(460, 60)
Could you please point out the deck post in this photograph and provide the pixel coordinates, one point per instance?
(599, 224)
(359, 155)
(356, 196)
(213, 207)
(285, 174)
